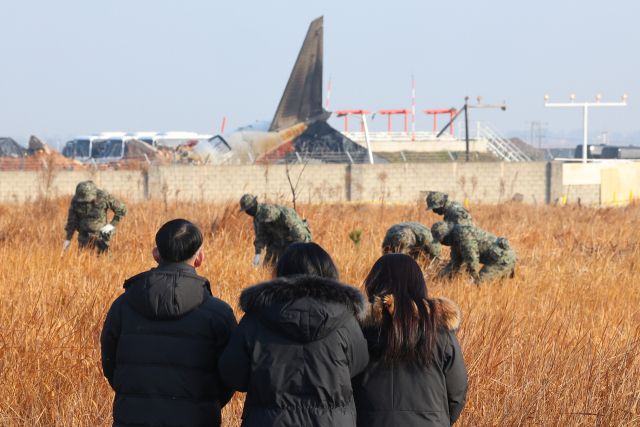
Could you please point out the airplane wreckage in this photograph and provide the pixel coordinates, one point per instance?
(299, 125)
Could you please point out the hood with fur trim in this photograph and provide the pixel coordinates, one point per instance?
(303, 307)
(448, 314)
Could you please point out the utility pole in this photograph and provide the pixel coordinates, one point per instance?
(604, 137)
(539, 135)
(585, 106)
(532, 126)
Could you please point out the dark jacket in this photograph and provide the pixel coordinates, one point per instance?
(295, 352)
(160, 348)
(410, 395)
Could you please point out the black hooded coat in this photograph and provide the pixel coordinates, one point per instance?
(161, 343)
(410, 395)
(295, 352)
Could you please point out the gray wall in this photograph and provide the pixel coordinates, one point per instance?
(396, 182)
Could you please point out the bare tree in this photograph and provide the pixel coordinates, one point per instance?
(288, 167)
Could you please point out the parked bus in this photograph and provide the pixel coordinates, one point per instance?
(117, 146)
(630, 153)
(86, 147)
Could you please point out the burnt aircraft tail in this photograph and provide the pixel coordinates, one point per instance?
(302, 98)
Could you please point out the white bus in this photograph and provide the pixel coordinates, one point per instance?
(85, 147)
(117, 146)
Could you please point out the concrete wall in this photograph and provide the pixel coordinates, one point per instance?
(392, 182)
(317, 183)
(20, 185)
(487, 182)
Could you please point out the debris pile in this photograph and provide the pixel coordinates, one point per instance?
(138, 154)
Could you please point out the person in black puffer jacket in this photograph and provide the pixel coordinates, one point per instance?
(416, 375)
(298, 345)
(162, 339)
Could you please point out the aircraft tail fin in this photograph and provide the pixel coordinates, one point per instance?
(302, 98)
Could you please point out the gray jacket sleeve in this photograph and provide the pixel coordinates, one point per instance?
(455, 373)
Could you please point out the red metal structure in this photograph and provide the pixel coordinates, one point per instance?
(451, 111)
(390, 112)
(346, 113)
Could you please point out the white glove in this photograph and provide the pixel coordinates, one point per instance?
(65, 245)
(107, 228)
(256, 260)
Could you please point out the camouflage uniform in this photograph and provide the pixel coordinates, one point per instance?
(471, 246)
(276, 227)
(453, 212)
(88, 214)
(411, 238)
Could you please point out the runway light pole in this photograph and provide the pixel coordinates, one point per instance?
(413, 109)
(585, 106)
(465, 108)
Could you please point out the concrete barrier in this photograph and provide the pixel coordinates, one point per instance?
(489, 182)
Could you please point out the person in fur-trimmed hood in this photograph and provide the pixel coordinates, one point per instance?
(416, 375)
(299, 345)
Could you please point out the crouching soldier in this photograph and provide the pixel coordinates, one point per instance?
(471, 246)
(453, 212)
(276, 227)
(411, 238)
(88, 215)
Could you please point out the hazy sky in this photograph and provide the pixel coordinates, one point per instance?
(77, 67)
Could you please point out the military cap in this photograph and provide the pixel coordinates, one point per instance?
(441, 229)
(86, 191)
(435, 199)
(403, 241)
(248, 201)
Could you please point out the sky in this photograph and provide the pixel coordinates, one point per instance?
(75, 67)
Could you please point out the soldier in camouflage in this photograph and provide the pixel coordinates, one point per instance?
(276, 227)
(88, 215)
(411, 238)
(453, 212)
(471, 246)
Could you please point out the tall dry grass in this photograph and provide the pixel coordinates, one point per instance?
(557, 345)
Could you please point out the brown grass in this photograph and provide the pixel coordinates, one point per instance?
(557, 345)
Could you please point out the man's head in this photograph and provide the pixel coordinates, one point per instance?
(440, 230)
(179, 241)
(249, 204)
(436, 200)
(86, 192)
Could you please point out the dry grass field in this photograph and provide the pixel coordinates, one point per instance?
(556, 346)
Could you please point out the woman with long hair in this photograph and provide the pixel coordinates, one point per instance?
(416, 375)
(298, 345)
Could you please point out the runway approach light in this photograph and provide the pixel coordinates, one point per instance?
(572, 97)
(624, 97)
(598, 96)
(546, 98)
(479, 99)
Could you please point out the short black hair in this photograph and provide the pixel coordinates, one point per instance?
(178, 240)
(306, 258)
